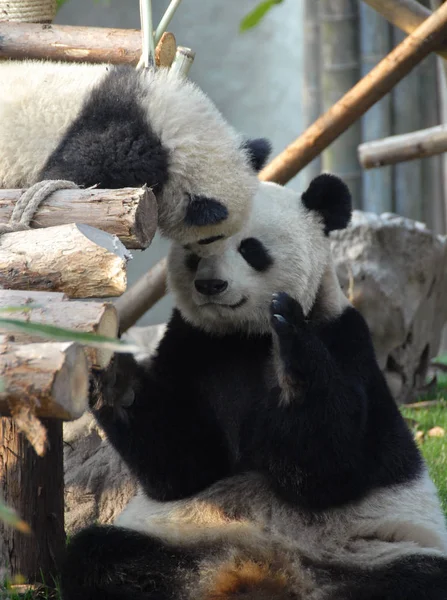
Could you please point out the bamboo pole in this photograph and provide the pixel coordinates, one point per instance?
(128, 213)
(359, 99)
(311, 89)
(401, 148)
(407, 116)
(375, 43)
(340, 71)
(407, 15)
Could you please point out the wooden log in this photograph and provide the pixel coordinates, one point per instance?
(9, 297)
(139, 298)
(357, 101)
(79, 260)
(34, 487)
(400, 148)
(67, 43)
(129, 213)
(49, 378)
(407, 15)
(340, 71)
(89, 317)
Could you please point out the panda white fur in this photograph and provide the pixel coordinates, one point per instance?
(273, 461)
(114, 126)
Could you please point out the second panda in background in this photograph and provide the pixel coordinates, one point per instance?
(115, 127)
(273, 462)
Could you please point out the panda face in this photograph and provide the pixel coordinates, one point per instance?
(283, 247)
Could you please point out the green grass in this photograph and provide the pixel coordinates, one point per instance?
(434, 449)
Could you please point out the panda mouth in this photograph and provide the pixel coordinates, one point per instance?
(230, 306)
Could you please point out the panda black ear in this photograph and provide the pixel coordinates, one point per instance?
(258, 151)
(331, 198)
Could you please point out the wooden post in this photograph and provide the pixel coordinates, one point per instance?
(340, 71)
(129, 213)
(375, 44)
(34, 487)
(359, 99)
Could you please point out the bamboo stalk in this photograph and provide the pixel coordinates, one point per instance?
(311, 89)
(405, 147)
(359, 99)
(407, 116)
(340, 71)
(407, 15)
(375, 43)
(128, 213)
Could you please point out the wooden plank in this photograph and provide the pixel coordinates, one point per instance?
(359, 99)
(129, 213)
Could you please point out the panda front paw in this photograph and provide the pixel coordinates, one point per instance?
(286, 314)
(112, 387)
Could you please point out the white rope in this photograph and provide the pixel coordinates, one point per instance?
(28, 11)
(28, 203)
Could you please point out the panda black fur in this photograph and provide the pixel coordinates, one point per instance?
(272, 459)
(115, 127)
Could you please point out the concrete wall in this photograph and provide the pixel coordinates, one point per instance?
(254, 78)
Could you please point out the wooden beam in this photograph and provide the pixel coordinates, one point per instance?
(407, 15)
(401, 148)
(77, 259)
(89, 317)
(129, 213)
(357, 101)
(68, 43)
(145, 292)
(49, 379)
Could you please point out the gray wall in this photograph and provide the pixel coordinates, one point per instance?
(254, 78)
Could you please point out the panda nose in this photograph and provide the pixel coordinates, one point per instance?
(210, 287)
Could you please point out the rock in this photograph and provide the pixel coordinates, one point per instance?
(419, 436)
(397, 271)
(436, 432)
(98, 484)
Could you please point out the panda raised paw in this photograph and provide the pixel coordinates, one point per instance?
(286, 314)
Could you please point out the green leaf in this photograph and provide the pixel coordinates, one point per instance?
(69, 335)
(257, 14)
(10, 517)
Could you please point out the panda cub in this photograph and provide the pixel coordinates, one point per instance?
(272, 459)
(116, 127)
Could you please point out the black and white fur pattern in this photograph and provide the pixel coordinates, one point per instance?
(273, 461)
(115, 127)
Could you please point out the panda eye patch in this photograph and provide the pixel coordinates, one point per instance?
(256, 254)
(192, 262)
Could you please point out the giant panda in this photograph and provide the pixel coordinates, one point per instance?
(115, 127)
(272, 459)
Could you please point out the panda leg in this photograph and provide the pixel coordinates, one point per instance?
(113, 563)
(411, 578)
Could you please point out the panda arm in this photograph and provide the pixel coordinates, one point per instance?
(158, 424)
(319, 438)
